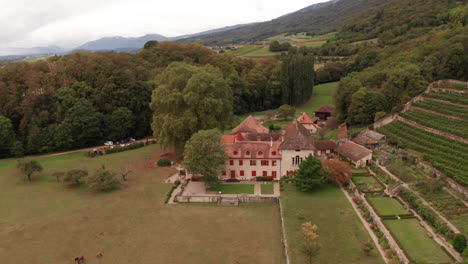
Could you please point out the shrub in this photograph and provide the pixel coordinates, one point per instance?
(117, 148)
(174, 186)
(196, 177)
(182, 172)
(28, 167)
(459, 243)
(103, 180)
(164, 163)
(263, 178)
(232, 180)
(75, 176)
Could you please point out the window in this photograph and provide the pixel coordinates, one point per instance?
(241, 173)
(265, 173)
(235, 152)
(224, 173)
(273, 163)
(297, 160)
(253, 163)
(254, 173)
(231, 162)
(241, 162)
(260, 153)
(273, 174)
(273, 153)
(247, 153)
(264, 162)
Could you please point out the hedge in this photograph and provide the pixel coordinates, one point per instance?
(174, 186)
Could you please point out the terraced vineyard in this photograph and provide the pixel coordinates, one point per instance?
(449, 109)
(453, 126)
(445, 154)
(449, 96)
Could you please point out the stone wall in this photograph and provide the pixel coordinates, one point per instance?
(216, 198)
(453, 184)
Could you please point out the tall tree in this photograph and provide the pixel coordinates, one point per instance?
(188, 99)
(311, 247)
(120, 123)
(310, 174)
(339, 171)
(204, 154)
(7, 136)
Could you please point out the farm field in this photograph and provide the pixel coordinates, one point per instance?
(457, 86)
(415, 241)
(450, 125)
(449, 96)
(340, 230)
(45, 222)
(443, 153)
(449, 109)
(385, 206)
(252, 51)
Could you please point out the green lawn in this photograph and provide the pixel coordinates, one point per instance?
(360, 170)
(415, 241)
(340, 230)
(252, 51)
(387, 206)
(45, 222)
(322, 94)
(227, 188)
(461, 223)
(267, 188)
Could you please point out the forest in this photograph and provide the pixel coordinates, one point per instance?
(83, 99)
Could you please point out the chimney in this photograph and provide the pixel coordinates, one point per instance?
(271, 142)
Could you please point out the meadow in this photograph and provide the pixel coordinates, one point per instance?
(340, 230)
(46, 222)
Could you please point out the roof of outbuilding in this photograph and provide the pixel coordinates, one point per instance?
(364, 140)
(372, 134)
(250, 125)
(305, 119)
(325, 144)
(326, 109)
(353, 151)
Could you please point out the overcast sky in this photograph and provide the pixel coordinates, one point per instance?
(70, 23)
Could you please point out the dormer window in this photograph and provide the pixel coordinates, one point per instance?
(260, 153)
(247, 153)
(273, 153)
(235, 152)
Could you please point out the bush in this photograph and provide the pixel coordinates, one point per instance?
(164, 163)
(459, 243)
(75, 176)
(182, 172)
(196, 178)
(174, 186)
(263, 178)
(232, 180)
(103, 180)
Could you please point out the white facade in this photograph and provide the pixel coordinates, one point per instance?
(248, 169)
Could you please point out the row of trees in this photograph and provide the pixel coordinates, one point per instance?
(84, 99)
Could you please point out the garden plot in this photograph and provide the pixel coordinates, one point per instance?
(367, 184)
(414, 240)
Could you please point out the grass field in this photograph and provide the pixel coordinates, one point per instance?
(322, 95)
(267, 188)
(367, 183)
(416, 243)
(340, 230)
(45, 222)
(387, 206)
(235, 188)
(252, 51)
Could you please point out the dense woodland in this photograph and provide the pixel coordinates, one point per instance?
(412, 43)
(84, 99)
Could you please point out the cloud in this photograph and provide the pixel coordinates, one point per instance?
(69, 23)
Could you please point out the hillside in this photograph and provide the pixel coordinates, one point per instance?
(119, 43)
(435, 125)
(314, 19)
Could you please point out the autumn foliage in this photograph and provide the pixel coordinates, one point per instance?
(339, 171)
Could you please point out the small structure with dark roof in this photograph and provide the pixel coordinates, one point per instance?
(324, 112)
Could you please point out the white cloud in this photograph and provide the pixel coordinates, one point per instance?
(68, 23)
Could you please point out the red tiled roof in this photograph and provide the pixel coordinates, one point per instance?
(353, 151)
(305, 119)
(325, 145)
(253, 150)
(250, 125)
(262, 137)
(325, 109)
(296, 136)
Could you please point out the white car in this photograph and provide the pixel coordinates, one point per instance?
(109, 143)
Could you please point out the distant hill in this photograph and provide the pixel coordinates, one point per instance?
(119, 43)
(315, 19)
(52, 49)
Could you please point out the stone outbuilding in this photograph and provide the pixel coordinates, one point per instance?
(324, 112)
(357, 154)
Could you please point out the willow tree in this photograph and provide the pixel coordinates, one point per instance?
(188, 99)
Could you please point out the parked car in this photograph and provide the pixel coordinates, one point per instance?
(108, 143)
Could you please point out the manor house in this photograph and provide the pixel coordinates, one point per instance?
(254, 151)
